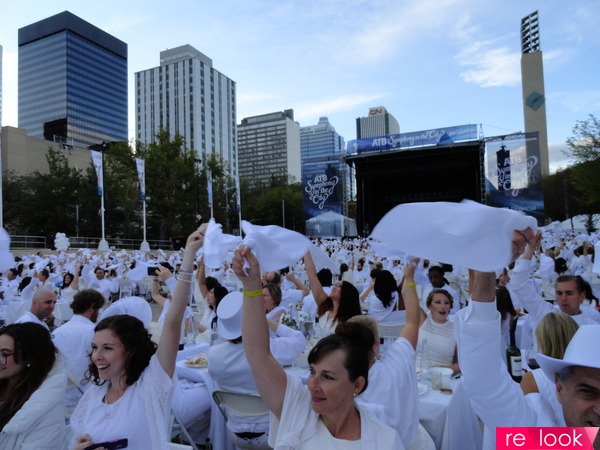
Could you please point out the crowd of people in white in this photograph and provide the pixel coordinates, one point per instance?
(105, 371)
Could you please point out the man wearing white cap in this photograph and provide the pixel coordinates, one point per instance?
(499, 401)
(229, 367)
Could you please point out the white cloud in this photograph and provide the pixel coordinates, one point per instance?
(582, 102)
(558, 157)
(121, 24)
(317, 108)
(491, 65)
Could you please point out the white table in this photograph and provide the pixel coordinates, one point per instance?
(449, 419)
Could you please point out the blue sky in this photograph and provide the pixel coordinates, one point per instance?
(431, 63)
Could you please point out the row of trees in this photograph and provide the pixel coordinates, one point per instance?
(576, 189)
(65, 199)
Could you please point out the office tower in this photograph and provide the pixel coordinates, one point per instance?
(323, 151)
(379, 122)
(269, 147)
(187, 95)
(72, 82)
(0, 86)
(532, 79)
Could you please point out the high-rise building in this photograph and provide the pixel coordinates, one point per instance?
(323, 150)
(72, 82)
(0, 86)
(379, 122)
(269, 147)
(187, 95)
(532, 80)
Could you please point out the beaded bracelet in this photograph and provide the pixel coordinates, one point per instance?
(255, 293)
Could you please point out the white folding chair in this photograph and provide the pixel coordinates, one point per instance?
(242, 405)
(178, 428)
(174, 446)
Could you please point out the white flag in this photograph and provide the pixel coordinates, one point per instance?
(209, 187)
(97, 160)
(141, 176)
(237, 192)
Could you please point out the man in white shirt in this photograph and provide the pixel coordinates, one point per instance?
(74, 341)
(42, 307)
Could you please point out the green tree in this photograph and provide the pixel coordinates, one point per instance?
(45, 202)
(585, 148)
(172, 192)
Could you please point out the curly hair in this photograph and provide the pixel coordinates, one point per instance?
(136, 340)
(34, 347)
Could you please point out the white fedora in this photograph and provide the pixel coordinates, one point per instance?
(583, 350)
(229, 315)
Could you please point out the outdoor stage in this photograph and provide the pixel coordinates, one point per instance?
(384, 179)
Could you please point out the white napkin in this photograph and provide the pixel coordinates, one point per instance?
(217, 245)
(467, 234)
(274, 247)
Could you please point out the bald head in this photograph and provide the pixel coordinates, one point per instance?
(42, 303)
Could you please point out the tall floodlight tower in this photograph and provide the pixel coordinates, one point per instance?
(532, 80)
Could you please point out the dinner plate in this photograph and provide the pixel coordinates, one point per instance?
(196, 366)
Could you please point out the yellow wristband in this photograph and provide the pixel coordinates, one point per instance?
(255, 293)
(411, 283)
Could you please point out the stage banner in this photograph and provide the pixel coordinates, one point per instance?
(322, 193)
(139, 163)
(405, 141)
(514, 174)
(97, 160)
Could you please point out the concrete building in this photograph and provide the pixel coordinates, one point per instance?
(379, 122)
(532, 79)
(23, 154)
(187, 95)
(269, 147)
(72, 82)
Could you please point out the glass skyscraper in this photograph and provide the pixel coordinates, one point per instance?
(72, 82)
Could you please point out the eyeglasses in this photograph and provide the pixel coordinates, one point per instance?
(4, 356)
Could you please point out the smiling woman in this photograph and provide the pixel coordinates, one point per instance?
(325, 415)
(130, 397)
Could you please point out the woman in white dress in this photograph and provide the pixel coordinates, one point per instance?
(70, 285)
(437, 346)
(133, 378)
(322, 414)
(342, 303)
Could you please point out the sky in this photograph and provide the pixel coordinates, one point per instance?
(431, 63)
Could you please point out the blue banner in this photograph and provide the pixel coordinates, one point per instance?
(514, 174)
(404, 141)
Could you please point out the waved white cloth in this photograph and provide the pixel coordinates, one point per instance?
(217, 245)
(7, 261)
(274, 247)
(467, 234)
(321, 259)
(385, 251)
(132, 306)
(596, 268)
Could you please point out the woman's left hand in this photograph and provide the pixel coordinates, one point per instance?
(250, 279)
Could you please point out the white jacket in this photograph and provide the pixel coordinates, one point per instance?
(40, 423)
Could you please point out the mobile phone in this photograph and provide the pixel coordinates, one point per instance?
(109, 445)
(152, 271)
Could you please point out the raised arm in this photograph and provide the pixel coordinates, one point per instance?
(411, 302)
(301, 287)
(169, 338)
(269, 377)
(75, 282)
(315, 285)
(201, 278)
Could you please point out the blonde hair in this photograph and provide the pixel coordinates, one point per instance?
(368, 322)
(554, 332)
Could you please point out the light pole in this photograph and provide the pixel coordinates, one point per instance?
(99, 165)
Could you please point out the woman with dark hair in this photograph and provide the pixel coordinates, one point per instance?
(342, 303)
(345, 273)
(133, 379)
(507, 311)
(32, 385)
(384, 301)
(70, 285)
(272, 299)
(322, 414)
